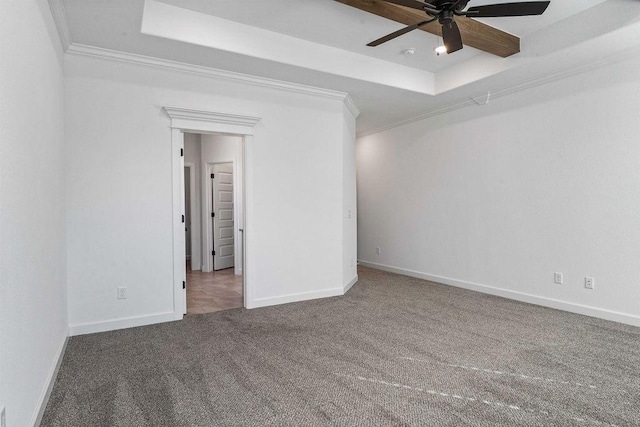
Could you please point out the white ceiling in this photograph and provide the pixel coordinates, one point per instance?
(322, 43)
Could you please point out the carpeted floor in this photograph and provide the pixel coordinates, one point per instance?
(393, 351)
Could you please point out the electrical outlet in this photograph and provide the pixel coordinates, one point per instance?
(589, 282)
(3, 418)
(122, 293)
(557, 278)
(349, 214)
(377, 251)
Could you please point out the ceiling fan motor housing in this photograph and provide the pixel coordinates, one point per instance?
(448, 5)
(445, 17)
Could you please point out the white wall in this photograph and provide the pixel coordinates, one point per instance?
(33, 309)
(349, 204)
(192, 155)
(221, 149)
(120, 234)
(499, 197)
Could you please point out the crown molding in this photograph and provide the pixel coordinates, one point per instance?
(187, 119)
(351, 106)
(149, 61)
(505, 91)
(210, 116)
(431, 113)
(59, 14)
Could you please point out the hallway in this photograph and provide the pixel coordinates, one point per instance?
(215, 291)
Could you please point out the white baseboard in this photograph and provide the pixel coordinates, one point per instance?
(125, 322)
(302, 296)
(601, 313)
(350, 284)
(51, 379)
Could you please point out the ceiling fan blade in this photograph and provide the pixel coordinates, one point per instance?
(451, 36)
(398, 33)
(414, 4)
(508, 9)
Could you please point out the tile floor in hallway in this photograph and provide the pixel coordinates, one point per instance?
(215, 291)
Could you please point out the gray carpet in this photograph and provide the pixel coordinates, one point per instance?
(393, 351)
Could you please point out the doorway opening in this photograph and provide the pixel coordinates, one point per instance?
(213, 217)
(186, 120)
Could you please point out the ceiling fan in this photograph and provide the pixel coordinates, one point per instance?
(444, 11)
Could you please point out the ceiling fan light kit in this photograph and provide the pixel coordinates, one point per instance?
(445, 12)
(439, 50)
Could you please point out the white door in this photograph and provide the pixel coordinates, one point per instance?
(222, 216)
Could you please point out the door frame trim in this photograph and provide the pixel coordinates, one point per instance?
(202, 121)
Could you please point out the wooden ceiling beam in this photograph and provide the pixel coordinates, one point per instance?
(474, 33)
